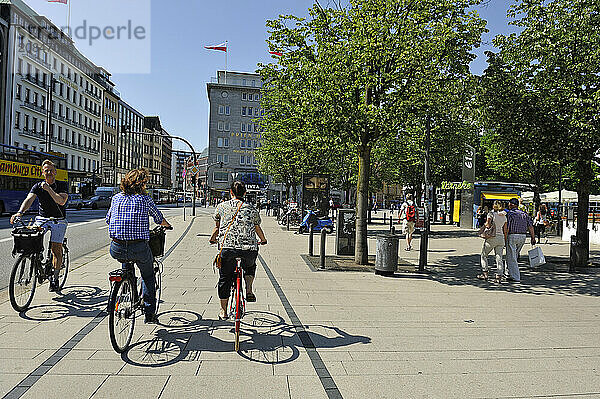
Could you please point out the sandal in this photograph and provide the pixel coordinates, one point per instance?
(482, 276)
(225, 317)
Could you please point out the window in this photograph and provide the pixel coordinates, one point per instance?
(20, 66)
(256, 128)
(220, 126)
(242, 159)
(227, 110)
(244, 82)
(249, 111)
(26, 123)
(253, 83)
(256, 97)
(255, 111)
(226, 158)
(220, 142)
(254, 160)
(242, 143)
(17, 119)
(221, 109)
(243, 111)
(219, 158)
(18, 92)
(27, 95)
(220, 176)
(243, 127)
(226, 142)
(227, 126)
(244, 96)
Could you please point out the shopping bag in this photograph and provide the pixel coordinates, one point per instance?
(536, 257)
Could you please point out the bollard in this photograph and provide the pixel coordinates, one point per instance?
(288, 222)
(393, 230)
(384, 218)
(323, 239)
(310, 241)
(391, 224)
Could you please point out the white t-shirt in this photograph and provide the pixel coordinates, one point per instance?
(403, 208)
(499, 219)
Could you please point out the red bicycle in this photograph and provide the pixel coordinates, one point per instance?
(237, 307)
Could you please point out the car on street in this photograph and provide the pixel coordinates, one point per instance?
(75, 201)
(97, 201)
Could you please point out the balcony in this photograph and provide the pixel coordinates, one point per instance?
(32, 133)
(38, 82)
(34, 107)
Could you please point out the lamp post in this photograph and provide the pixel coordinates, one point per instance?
(127, 129)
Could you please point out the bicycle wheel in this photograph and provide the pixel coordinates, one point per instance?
(22, 283)
(238, 311)
(121, 315)
(64, 269)
(158, 278)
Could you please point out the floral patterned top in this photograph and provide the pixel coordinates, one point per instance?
(242, 234)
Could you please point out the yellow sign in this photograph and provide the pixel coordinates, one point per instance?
(456, 214)
(9, 168)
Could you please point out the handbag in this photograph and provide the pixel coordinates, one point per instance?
(536, 257)
(218, 258)
(488, 232)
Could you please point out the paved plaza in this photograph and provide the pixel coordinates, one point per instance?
(314, 334)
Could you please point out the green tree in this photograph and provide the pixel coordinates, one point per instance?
(364, 65)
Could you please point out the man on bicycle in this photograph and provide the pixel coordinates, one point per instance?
(52, 196)
(129, 229)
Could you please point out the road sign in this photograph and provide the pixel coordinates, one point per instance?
(183, 173)
(194, 170)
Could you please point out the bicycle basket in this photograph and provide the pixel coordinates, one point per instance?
(27, 241)
(157, 242)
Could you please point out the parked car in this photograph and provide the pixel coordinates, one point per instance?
(75, 201)
(97, 201)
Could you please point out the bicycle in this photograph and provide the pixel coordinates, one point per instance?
(237, 306)
(30, 268)
(125, 302)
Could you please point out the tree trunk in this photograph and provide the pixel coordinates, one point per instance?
(583, 201)
(362, 203)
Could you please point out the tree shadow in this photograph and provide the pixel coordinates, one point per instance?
(462, 270)
(265, 338)
(78, 301)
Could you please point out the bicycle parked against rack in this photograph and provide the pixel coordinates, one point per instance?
(125, 301)
(31, 268)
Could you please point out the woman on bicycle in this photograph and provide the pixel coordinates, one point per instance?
(129, 227)
(237, 223)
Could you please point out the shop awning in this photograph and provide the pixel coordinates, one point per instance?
(499, 196)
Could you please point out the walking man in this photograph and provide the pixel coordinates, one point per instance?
(519, 224)
(408, 216)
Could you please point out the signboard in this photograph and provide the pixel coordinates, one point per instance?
(345, 233)
(17, 169)
(194, 170)
(465, 185)
(468, 164)
(315, 193)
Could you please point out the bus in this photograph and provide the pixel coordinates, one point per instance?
(161, 195)
(20, 169)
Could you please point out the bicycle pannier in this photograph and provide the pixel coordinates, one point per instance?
(157, 242)
(27, 241)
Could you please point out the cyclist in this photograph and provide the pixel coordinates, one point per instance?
(52, 195)
(239, 242)
(129, 226)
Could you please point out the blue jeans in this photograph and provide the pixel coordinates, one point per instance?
(139, 252)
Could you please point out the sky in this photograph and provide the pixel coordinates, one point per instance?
(158, 61)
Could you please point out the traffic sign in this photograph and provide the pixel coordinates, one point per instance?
(194, 170)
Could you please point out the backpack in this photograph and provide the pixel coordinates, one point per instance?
(411, 213)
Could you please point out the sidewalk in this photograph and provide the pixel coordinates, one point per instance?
(313, 334)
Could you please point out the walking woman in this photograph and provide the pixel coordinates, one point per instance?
(237, 225)
(496, 217)
(541, 221)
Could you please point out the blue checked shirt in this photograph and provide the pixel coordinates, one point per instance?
(518, 221)
(128, 217)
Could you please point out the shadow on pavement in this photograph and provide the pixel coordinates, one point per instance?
(265, 338)
(447, 271)
(78, 301)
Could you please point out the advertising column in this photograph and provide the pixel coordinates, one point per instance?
(466, 199)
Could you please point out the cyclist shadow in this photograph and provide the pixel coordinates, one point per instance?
(265, 338)
(78, 301)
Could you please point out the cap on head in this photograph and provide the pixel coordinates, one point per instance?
(514, 201)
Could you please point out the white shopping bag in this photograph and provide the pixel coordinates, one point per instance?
(536, 257)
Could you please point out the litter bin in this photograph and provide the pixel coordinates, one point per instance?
(386, 258)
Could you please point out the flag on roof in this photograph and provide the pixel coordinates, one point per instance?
(220, 47)
(277, 53)
(58, 1)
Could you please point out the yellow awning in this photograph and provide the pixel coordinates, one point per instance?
(499, 196)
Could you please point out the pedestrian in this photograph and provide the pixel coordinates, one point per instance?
(268, 211)
(540, 222)
(331, 207)
(482, 215)
(497, 218)
(237, 225)
(129, 230)
(519, 224)
(408, 216)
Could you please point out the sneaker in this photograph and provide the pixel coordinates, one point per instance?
(151, 318)
(53, 285)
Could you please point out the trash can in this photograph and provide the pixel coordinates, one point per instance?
(386, 258)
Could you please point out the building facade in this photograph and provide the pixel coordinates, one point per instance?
(158, 148)
(110, 133)
(53, 102)
(234, 133)
(130, 139)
